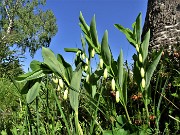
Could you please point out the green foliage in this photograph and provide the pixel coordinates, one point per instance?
(75, 84)
(105, 51)
(24, 26)
(119, 101)
(27, 25)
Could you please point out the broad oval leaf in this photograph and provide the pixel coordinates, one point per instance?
(83, 24)
(35, 65)
(27, 86)
(152, 68)
(75, 85)
(105, 50)
(95, 76)
(51, 61)
(68, 68)
(138, 28)
(33, 92)
(93, 32)
(90, 43)
(128, 33)
(145, 45)
(31, 75)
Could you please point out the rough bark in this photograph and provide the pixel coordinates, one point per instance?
(163, 19)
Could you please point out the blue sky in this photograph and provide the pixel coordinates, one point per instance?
(107, 12)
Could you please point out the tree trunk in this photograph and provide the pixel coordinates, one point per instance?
(163, 19)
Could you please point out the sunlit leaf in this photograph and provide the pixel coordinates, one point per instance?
(35, 65)
(51, 61)
(83, 43)
(75, 50)
(105, 50)
(145, 45)
(90, 43)
(75, 84)
(128, 33)
(33, 92)
(68, 68)
(94, 32)
(27, 86)
(152, 68)
(83, 23)
(120, 69)
(124, 90)
(138, 28)
(31, 75)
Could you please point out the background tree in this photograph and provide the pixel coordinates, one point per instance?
(24, 26)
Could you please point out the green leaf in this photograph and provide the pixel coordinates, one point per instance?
(93, 90)
(136, 71)
(128, 33)
(90, 43)
(119, 131)
(107, 132)
(35, 65)
(95, 76)
(75, 84)
(94, 32)
(31, 75)
(51, 61)
(175, 95)
(83, 29)
(124, 90)
(120, 69)
(114, 67)
(75, 50)
(105, 50)
(27, 86)
(145, 45)
(83, 43)
(116, 131)
(120, 120)
(33, 92)
(152, 68)
(68, 68)
(83, 24)
(138, 28)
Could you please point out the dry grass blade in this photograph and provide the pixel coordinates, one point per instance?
(168, 100)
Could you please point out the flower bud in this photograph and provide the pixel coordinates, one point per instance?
(87, 61)
(86, 68)
(83, 56)
(105, 73)
(142, 72)
(117, 96)
(143, 83)
(61, 83)
(58, 88)
(55, 80)
(140, 58)
(92, 53)
(65, 94)
(101, 63)
(137, 48)
(77, 53)
(87, 78)
(113, 84)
